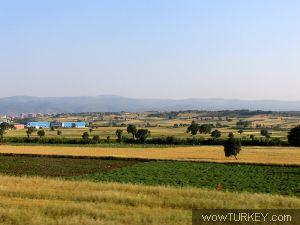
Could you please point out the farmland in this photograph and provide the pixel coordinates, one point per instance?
(237, 178)
(168, 125)
(130, 182)
(259, 155)
(38, 201)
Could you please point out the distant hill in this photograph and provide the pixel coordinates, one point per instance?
(110, 103)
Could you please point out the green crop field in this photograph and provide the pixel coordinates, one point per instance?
(232, 177)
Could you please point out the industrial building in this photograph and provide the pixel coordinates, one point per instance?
(56, 124)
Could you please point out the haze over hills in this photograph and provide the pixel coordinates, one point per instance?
(111, 103)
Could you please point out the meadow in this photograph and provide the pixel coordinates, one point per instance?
(35, 201)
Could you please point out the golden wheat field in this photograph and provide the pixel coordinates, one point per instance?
(260, 155)
(37, 201)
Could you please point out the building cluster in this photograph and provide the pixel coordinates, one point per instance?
(56, 124)
(49, 125)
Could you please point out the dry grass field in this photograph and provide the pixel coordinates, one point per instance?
(37, 201)
(259, 155)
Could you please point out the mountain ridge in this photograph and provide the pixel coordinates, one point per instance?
(115, 103)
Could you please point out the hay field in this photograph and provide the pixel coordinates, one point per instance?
(38, 201)
(259, 155)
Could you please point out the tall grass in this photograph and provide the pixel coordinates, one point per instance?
(38, 201)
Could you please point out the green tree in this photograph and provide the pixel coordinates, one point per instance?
(41, 133)
(294, 136)
(85, 135)
(131, 129)
(3, 127)
(205, 128)
(96, 138)
(232, 147)
(265, 132)
(119, 134)
(193, 128)
(216, 134)
(30, 131)
(252, 136)
(142, 135)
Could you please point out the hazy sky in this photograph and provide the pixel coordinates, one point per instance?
(246, 49)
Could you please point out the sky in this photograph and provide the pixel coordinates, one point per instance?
(175, 49)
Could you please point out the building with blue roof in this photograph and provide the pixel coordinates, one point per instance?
(74, 124)
(38, 124)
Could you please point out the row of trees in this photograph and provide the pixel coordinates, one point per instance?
(137, 134)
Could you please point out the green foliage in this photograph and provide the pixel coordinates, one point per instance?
(119, 133)
(96, 139)
(193, 128)
(265, 132)
(294, 136)
(216, 134)
(30, 131)
(3, 127)
(232, 147)
(142, 135)
(131, 129)
(85, 135)
(243, 123)
(59, 132)
(205, 128)
(41, 133)
(282, 180)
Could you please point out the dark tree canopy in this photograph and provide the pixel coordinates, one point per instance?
(41, 133)
(85, 135)
(119, 133)
(294, 136)
(193, 128)
(216, 134)
(205, 128)
(131, 129)
(142, 135)
(265, 132)
(232, 147)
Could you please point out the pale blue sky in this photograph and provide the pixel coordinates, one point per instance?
(246, 49)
